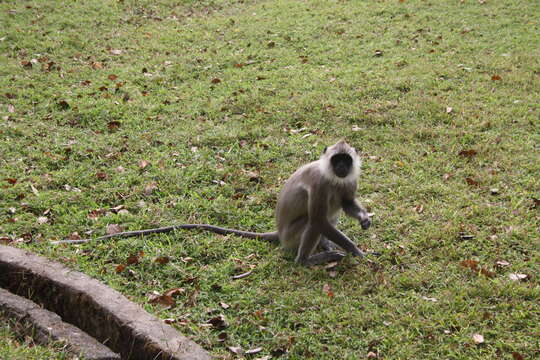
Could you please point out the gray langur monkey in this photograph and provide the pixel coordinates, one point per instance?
(307, 211)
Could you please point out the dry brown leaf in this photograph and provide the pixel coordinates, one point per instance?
(114, 229)
(162, 300)
(112, 77)
(471, 181)
(143, 164)
(149, 188)
(495, 77)
(222, 336)
(470, 264)
(132, 260)
(216, 81)
(328, 290)
(162, 260)
(113, 125)
(467, 153)
(218, 322)
(42, 220)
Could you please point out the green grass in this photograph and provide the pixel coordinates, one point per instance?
(15, 347)
(308, 75)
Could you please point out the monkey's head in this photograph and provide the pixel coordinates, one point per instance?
(340, 162)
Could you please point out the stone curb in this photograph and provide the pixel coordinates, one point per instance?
(102, 312)
(46, 326)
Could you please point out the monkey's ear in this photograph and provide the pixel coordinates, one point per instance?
(324, 151)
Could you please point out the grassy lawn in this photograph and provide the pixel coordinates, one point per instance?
(12, 347)
(150, 113)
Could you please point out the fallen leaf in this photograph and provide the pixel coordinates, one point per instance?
(471, 181)
(419, 208)
(218, 322)
(34, 190)
(447, 176)
(378, 53)
(487, 273)
(112, 77)
(495, 77)
(222, 336)
(11, 181)
(42, 220)
(101, 175)
(132, 260)
(26, 64)
(162, 260)
(113, 125)
(429, 299)
(467, 153)
(449, 109)
(254, 351)
(149, 188)
(477, 338)
(63, 104)
(327, 289)
(371, 355)
(517, 356)
(143, 164)
(271, 44)
(115, 51)
(74, 236)
(517, 277)
(235, 349)
(169, 321)
(216, 80)
(174, 291)
(470, 264)
(502, 263)
(120, 268)
(164, 300)
(96, 65)
(11, 108)
(114, 229)
(224, 305)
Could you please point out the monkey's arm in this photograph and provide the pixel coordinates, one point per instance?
(353, 209)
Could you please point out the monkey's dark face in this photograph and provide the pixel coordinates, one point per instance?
(341, 164)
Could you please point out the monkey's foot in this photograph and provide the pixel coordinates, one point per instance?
(322, 258)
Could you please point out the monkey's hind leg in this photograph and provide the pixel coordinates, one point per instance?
(309, 242)
(327, 245)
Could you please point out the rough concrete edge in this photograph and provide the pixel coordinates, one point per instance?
(93, 306)
(47, 327)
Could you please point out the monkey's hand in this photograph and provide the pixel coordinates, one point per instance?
(365, 222)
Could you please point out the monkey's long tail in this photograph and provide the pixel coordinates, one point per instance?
(269, 236)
